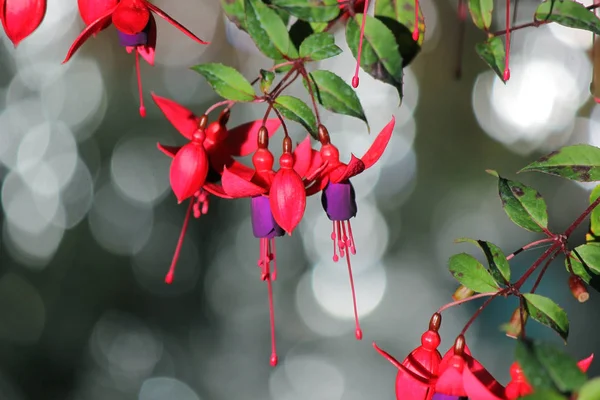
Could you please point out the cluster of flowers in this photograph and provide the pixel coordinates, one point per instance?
(426, 375)
(206, 166)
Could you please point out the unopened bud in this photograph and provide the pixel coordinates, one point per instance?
(435, 322)
(578, 289)
(462, 293)
(287, 145)
(514, 327)
(459, 345)
(203, 121)
(263, 138)
(324, 135)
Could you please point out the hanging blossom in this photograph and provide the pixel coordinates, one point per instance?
(20, 18)
(426, 375)
(339, 198)
(135, 26)
(198, 164)
(277, 202)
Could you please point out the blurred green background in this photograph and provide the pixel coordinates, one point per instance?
(89, 223)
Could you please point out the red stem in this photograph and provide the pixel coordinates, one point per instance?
(583, 216)
(536, 264)
(543, 271)
(459, 302)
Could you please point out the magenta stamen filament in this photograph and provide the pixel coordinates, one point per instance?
(139, 81)
(171, 273)
(415, 33)
(264, 264)
(355, 79)
(507, 59)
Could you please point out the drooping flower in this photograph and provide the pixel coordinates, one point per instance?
(20, 18)
(135, 26)
(338, 198)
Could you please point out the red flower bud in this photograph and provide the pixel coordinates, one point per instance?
(462, 293)
(21, 17)
(514, 327)
(578, 289)
(188, 170)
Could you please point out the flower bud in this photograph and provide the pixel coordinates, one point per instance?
(578, 289)
(514, 327)
(462, 293)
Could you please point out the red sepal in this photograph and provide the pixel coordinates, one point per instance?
(450, 380)
(237, 187)
(91, 10)
(479, 383)
(173, 22)
(303, 157)
(287, 198)
(354, 167)
(188, 170)
(378, 147)
(242, 140)
(585, 363)
(317, 186)
(90, 30)
(170, 151)
(131, 17)
(180, 117)
(216, 189)
(21, 17)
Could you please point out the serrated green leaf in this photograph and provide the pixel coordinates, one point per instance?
(548, 368)
(226, 81)
(589, 269)
(403, 12)
(319, 46)
(568, 13)
(593, 234)
(590, 391)
(310, 10)
(580, 162)
(267, 30)
(492, 52)
(336, 95)
(524, 205)
(296, 110)
(481, 12)
(234, 10)
(547, 312)
(380, 55)
(266, 80)
(499, 266)
(470, 273)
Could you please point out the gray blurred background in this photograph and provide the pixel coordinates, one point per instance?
(89, 223)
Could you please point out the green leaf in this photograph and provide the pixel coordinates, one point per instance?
(545, 395)
(481, 12)
(524, 205)
(470, 273)
(299, 31)
(499, 266)
(593, 234)
(403, 12)
(548, 368)
(336, 95)
(589, 270)
(568, 13)
(590, 391)
(492, 52)
(266, 80)
(267, 30)
(319, 46)
(380, 56)
(226, 81)
(318, 26)
(296, 110)
(407, 47)
(234, 10)
(547, 312)
(580, 162)
(310, 10)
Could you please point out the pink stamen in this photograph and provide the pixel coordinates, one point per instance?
(171, 273)
(358, 331)
(506, 75)
(355, 79)
(415, 33)
(273, 257)
(139, 81)
(333, 236)
(351, 244)
(263, 262)
(341, 244)
(263, 259)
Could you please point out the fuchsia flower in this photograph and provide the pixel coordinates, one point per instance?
(197, 166)
(135, 25)
(338, 198)
(21, 17)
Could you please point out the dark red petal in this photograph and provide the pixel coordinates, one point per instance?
(170, 151)
(236, 186)
(131, 17)
(216, 189)
(188, 170)
(303, 157)
(379, 145)
(586, 362)
(21, 17)
(170, 20)
(180, 117)
(91, 10)
(479, 383)
(147, 51)
(288, 199)
(90, 30)
(354, 167)
(242, 140)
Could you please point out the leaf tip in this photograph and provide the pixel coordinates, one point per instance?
(492, 172)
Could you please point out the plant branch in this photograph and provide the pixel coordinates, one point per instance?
(543, 271)
(536, 264)
(529, 246)
(459, 302)
(310, 91)
(580, 219)
(479, 311)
